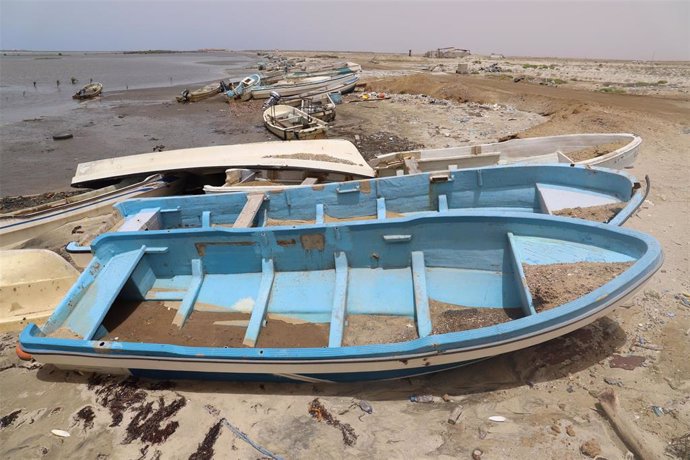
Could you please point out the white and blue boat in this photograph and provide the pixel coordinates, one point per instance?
(546, 189)
(380, 299)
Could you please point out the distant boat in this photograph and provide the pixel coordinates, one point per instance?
(290, 123)
(200, 94)
(338, 302)
(610, 150)
(299, 86)
(89, 91)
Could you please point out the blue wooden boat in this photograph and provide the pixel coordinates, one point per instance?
(337, 302)
(548, 189)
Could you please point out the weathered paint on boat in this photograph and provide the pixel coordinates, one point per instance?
(324, 274)
(531, 188)
(550, 149)
(89, 91)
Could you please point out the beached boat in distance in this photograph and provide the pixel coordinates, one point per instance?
(335, 155)
(89, 91)
(611, 150)
(19, 226)
(290, 123)
(200, 94)
(338, 302)
(299, 86)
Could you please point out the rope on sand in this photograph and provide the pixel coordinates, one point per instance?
(240, 434)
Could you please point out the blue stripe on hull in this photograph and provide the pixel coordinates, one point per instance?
(340, 377)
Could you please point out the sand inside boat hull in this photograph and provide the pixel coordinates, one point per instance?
(151, 322)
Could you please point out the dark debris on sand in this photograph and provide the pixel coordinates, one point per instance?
(85, 416)
(150, 422)
(205, 449)
(9, 419)
(321, 414)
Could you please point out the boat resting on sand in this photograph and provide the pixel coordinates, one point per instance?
(615, 151)
(89, 91)
(590, 193)
(22, 225)
(200, 94)
(320, 155)
(299, 86)
(290, 123)
(32, 283)
(338, 302)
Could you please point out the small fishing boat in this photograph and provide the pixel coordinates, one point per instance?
(318, 155)
(588, 193)
(612, 150)
(290, 123)
(319, 105)
(89, 91)
(212, 89)
(244, 86)
(32, 283)
(338, 302)
(302, 85)
(17, 227)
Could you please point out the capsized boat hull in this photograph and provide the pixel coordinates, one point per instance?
(335, 155)
(330, 277)
(623, 151)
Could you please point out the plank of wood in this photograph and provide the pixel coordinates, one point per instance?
(261, 305)
(335, 335)
(412, 166)
(421, 298)
(310, 181)
(190, 296)
(249, 211)
(146, 219)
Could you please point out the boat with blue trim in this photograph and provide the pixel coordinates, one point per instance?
(379, 299)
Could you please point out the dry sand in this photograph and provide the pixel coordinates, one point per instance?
(547, 392)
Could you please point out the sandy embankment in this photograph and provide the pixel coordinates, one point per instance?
(547, 393)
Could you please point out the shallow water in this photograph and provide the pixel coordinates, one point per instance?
(20, 99)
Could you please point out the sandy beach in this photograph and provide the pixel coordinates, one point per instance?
(547, 393)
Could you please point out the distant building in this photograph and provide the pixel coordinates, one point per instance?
(496, 56)
(448, 52)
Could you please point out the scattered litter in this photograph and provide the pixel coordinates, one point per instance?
(455, 415)
(422, 398)
(60, 433)
(62, 136)
(683, 299)
(497, 418)
(626, 362)
(612, 381)
(321, 414)
(366, 407)
(240, 434)
(482, 432)
(570, 430)
(476, 454)
(658, 411)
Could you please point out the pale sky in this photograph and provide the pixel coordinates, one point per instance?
(650, 30)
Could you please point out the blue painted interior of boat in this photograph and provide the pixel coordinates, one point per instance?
(466, 259)
(508, 188)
